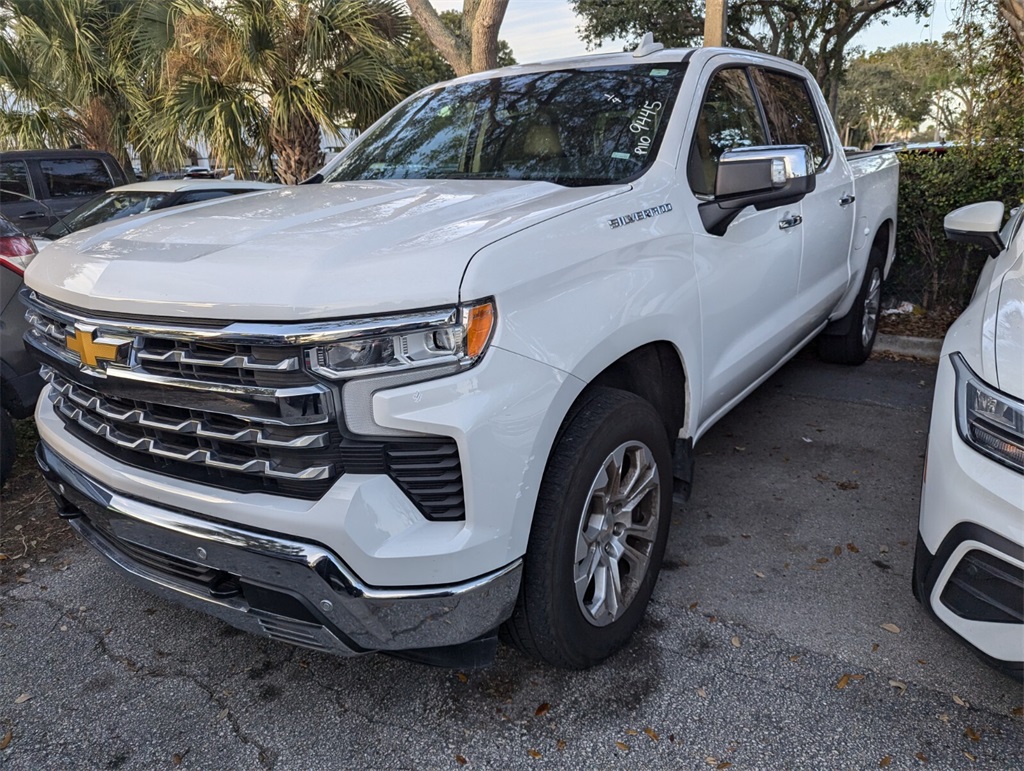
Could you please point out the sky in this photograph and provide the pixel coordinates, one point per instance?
(546, 29)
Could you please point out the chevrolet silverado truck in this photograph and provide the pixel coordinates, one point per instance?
(453, 388)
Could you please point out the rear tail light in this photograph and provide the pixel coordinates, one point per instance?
(16, 252)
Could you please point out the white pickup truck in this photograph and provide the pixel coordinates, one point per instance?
(455, 386)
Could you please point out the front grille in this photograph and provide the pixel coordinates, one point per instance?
(240, 416)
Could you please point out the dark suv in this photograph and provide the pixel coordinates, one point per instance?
(57, 180)
(19, 374)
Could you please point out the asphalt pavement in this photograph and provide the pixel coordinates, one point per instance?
(764, 646)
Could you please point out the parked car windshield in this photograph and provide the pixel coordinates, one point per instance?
(111, 206)
(591, 126)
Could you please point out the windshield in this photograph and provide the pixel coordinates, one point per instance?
(593, 126)
(111, 206)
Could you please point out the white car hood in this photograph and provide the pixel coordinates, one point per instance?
(299, 253)
(1009, 331)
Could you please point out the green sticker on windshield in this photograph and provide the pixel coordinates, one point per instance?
(658, 73)
(621, 156)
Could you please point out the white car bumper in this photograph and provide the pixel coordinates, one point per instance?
(970, 557)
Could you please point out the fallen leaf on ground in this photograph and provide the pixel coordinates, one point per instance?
(176, 759)
(759, 574)
(702, 693)
(890, 628)
(735, 642)
(693, 605)
(23, 698)
(856, 677)
(461, 760)
(821, 560)
(847, 485)
(921, 756)
(711, 760)
(959, 701)
(837, 551)
(632, 732)
(652, 733)
(542, 709)
(622, 746)
(843, 682)
(807, 439)
(1017, 711)
(561, 745)
(740, 449)
(874, 647)
(852, 548)
(723, 764)
(900, 685)
(944, 717)
(463, 677)
(969, 756)
(6, 740)
(795, 657)
(922, 662)
(970, 733)
(672, 738)
(884, 761)
(533, 754)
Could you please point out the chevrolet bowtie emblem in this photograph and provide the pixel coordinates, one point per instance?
(90, 350)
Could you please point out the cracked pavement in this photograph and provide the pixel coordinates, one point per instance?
(779, 574)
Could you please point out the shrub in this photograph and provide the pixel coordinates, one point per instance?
(929, 269)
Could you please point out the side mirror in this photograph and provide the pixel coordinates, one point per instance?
(762, 177)
(977, 224)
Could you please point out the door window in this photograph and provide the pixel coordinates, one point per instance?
(14, 182)
(729, 118)
(790, 113)
(73, 177)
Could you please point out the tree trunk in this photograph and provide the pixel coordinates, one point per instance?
(475, 47)
(1013, 12)
(298, 149)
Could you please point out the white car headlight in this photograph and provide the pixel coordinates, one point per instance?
(460, 338)
(989, 421)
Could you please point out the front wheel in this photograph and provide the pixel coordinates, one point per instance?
(598, 535)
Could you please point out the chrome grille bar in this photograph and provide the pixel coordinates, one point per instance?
(198, 455)
(98, 405)
(234, 362)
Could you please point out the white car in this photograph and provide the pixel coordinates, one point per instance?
(141, 197)
(969, 567)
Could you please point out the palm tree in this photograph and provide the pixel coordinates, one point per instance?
(252, 75)
(79, 71)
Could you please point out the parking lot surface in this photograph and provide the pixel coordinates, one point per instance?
(782, 634)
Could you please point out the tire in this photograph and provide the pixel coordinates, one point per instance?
(854, 345)
(616, 550)
(8, 445)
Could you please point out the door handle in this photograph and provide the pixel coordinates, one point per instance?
(847, 199)
(32, 215)
(790, 222)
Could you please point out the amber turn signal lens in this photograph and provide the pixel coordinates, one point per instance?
(479, 322)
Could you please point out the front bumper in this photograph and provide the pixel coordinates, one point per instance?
(268, 584)
(969, 569)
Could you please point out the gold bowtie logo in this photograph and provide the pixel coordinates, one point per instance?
(90, 350)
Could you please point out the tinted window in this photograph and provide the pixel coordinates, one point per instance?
(7, 228)
(200, 195)
(112, 206)
(573, 127)
(790, 113)
(14, 179)
(729, 118)
(71, 177)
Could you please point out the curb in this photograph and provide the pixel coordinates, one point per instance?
(919, 347)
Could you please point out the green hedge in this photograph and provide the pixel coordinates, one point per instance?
(929, 269)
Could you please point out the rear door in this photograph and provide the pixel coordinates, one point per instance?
(794, 118)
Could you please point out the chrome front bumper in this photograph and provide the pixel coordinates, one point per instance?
(270, 585)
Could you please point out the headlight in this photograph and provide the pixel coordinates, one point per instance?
(989, 421)
(458, 338)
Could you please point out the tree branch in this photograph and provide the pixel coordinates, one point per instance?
(453, 48)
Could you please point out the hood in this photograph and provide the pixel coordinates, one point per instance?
(1009, 332)
(299, 253)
